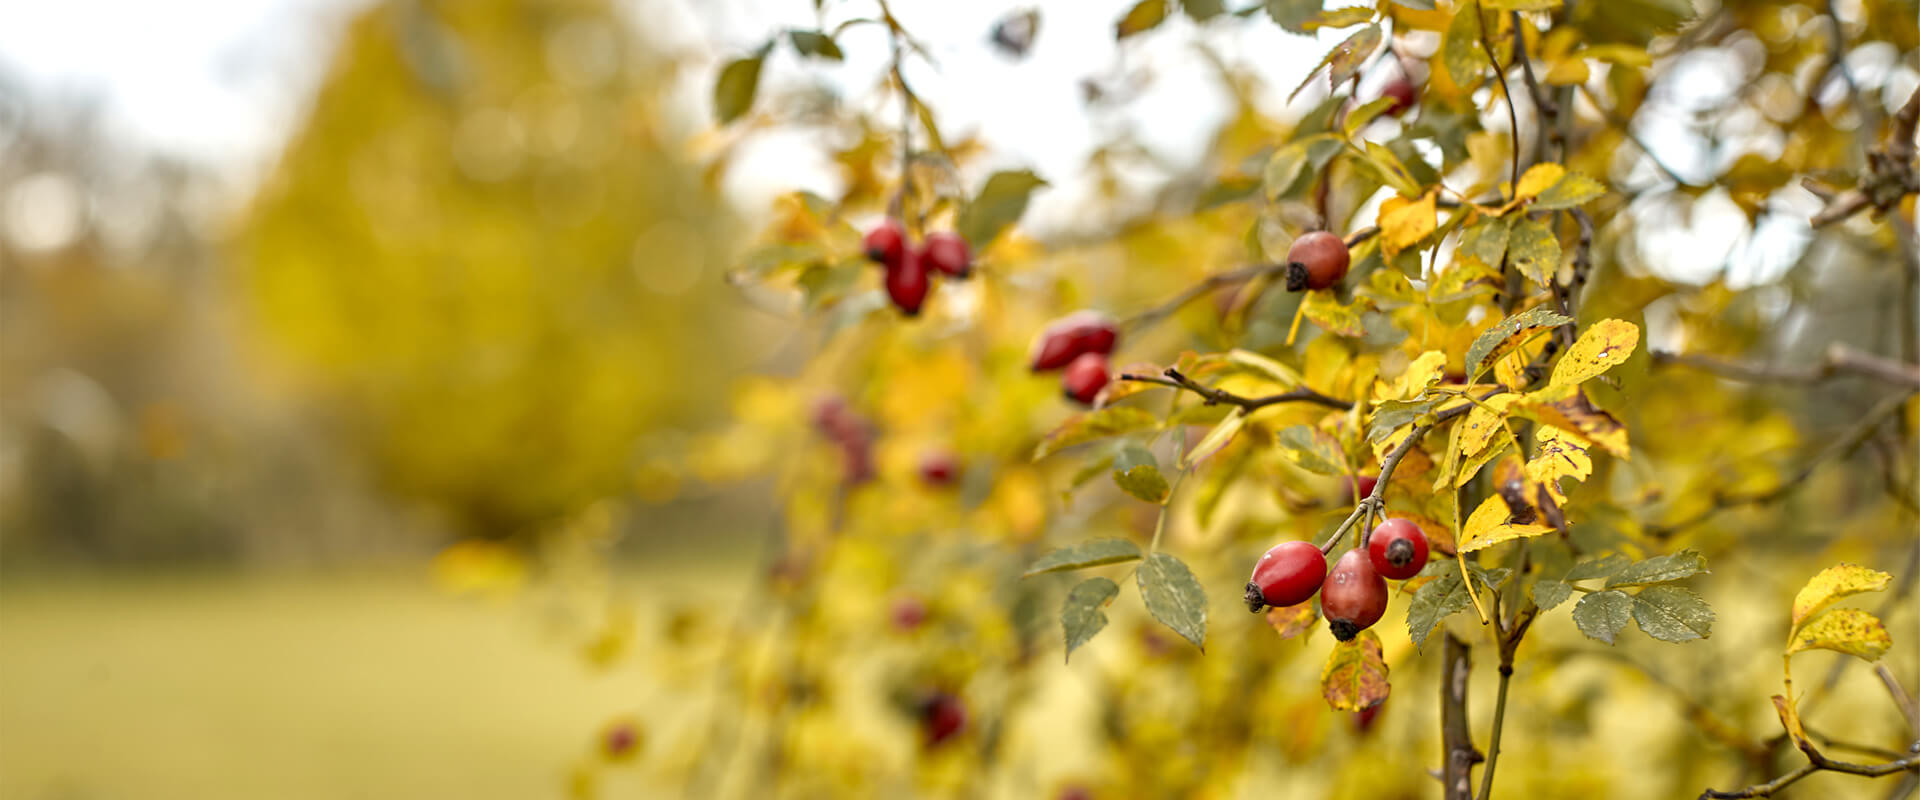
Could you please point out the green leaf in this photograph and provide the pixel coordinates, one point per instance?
(1434, 601)
(1388, 168)
(1359, 117)
(1487, 240)
(1509, 334)
(733, 91)
(1294, 15)
(1090, 553)
(1660, 569)
(815, 44)
(1571, 190)
(1672, 614)
(1419, 5)
(1311, 450)
(1460, 51)
(1344, 59)
(1081, 616)
(1099, 424)
(1202, 10)
(999, 204)
(1174, 597)
(1137, 473)
(1355, 677)
(1144, 16)
(1601, 615)
(1390, 415)
(1843, 630)
(1599, 567)
(1832, 584)
(1550, 593)
(1533, 250)
(1298, 158)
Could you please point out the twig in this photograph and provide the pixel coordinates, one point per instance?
(1509, 644)
(1818, 763)
(1457, 755)
(1845, 444)
(1377, 502)
(1900, 698)
(1543, 106)
(1890, 172)
(1298, 394)
(1153, 315)
(1840, 359)
(1513, 117)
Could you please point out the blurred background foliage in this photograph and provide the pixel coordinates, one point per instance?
(490, 324)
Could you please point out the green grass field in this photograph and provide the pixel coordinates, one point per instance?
(278, 686)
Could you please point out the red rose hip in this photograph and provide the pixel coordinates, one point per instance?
(938, 468)
(1287, 575)
(942, 717)
(1359, 487)
(907, 284)
(1397, 549)
(1355, 596)
(886, 244)
(1401, 90)
(1072, 336)
(948, 253)
(1316, 261)
(1085, 377)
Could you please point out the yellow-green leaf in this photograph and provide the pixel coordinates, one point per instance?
(1832, 584)
(1326, 311)
(1295, 160)
(1571, 190)
(1843, 630)
(1142, 17)
(1532, 249)
(1537, 179)
(1509, 335)
(1310, 449)
(1460, 51)
(1486, 421)
(1355, 677)
(999, 204)
(734, 90)
(1215, 439)
(1489, 526)
(1390, 170)
(1604, 345)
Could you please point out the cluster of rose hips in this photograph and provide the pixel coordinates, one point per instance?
(1355, 593)
(1078, 344)
(910, 269)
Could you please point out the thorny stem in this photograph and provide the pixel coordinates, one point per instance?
(1457, 754)
(1841, 446)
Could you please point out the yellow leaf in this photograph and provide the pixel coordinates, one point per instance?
(1403, 222)
(1832, 584)
(1570, 71)
(1567, 407)
(1489, 526)
(1537, 178)
(1291, 621)
(1843, 630)
(1356, 673)
(1789, 719)
(1424, 372)
(1485, 421)
(1215, 439)
(1470, 465)
(1603, 346)
(1561, 455)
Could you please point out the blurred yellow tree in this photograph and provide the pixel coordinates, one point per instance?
(485, 248)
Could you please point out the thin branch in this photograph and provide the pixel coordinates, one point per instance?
(1377, 501)
(1819, 763)
(1841, 446)
(1513, 118)
(1900, 698)
(1299, 394)
(1154, 315)
(1509, 644)
(1543, 107)
(1840, 359)
(1457, 754)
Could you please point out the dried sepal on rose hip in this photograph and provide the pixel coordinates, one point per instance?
(1397, 549)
